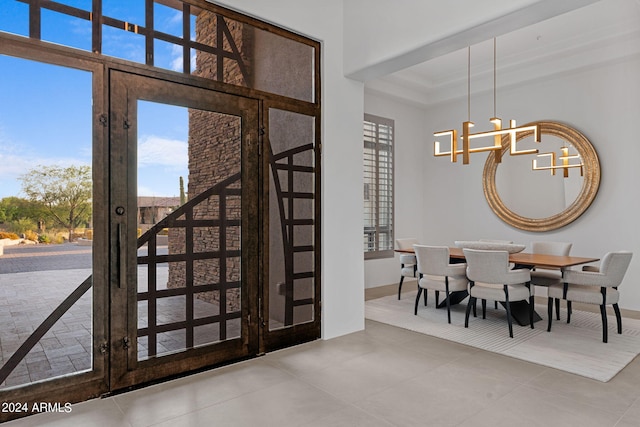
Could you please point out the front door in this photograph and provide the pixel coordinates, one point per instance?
(184, 228)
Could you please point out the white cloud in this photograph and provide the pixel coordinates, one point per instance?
(176, 18)
(176, 58)
(15, 164)
(157, 151)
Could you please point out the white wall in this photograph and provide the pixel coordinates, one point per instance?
(604, 104)
(342, 113)
(409, 178)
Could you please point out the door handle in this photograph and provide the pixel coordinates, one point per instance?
(122, 263)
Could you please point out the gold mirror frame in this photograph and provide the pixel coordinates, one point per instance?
(587, 194)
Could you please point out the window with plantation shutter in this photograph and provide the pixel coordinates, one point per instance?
(378, 187)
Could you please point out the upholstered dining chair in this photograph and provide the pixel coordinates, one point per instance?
(545, 277)
(408, 265)
(436, 273)
(490, 278)
(508, 242)
(594, 286)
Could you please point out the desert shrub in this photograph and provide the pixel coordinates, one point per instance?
(22, 225)
(31, 235)
(48, 238)
(76, 236)
(7, 235)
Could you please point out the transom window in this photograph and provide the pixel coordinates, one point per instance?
(165, 34)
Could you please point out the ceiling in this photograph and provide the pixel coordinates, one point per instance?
(602, 32)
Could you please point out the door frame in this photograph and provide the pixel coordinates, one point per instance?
(274, 339)
(125, 90)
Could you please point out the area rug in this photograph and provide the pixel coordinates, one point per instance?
(576, 347)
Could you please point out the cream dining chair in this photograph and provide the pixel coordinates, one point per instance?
(511, 265)
(435, 272)
(544, 277)
(408, 264)
(490, 278)
(597, 285)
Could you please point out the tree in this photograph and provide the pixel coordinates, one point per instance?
(15, 208)
(65, 193)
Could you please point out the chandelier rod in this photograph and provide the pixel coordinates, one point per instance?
(469, 83)
(494, 78)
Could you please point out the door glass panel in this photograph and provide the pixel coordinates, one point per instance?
(46, 230)
(189, 217)
(123, 44)
(254, 57)
(15, 17)
(131, 11)
(291, 219)
(283, 66)
(81, 4)
(51, 22)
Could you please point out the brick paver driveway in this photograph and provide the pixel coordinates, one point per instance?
(34, 280)
(24, 258)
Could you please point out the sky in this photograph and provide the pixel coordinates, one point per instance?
(45, 110)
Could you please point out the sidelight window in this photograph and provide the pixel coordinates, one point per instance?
(378, 186)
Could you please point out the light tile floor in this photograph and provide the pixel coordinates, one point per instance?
(381, 376)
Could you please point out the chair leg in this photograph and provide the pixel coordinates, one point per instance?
(506, 305)
(446, 293)
(531, 303)
(557, 309)
(568, 311)
(425, 297)
(618, 317)
(484, 308)
(437, 298)
(549, 313)
(475, 314)
(472, 301)
(603, 313)
(495, 305)
(400, 286)
(415, 308)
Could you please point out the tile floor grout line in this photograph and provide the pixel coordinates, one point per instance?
(115, 402)
(626, 411)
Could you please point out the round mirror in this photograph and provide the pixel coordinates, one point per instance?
(544, 191)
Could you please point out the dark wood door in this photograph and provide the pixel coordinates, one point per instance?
(184, 228)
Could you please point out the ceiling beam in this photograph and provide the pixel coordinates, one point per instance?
(528, 15)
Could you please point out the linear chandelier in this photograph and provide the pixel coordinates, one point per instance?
(497, 133)
(564, 158)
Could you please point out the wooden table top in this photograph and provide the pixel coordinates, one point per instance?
(527, 259)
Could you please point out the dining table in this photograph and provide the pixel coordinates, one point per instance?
(519, 309)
